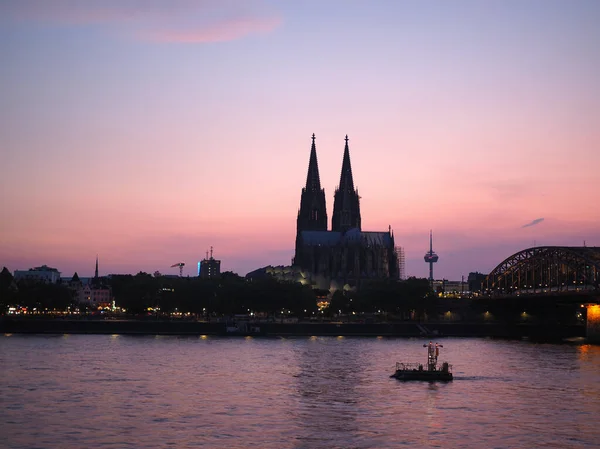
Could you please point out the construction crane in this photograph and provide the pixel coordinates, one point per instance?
(180, 265)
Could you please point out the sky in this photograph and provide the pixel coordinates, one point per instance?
(147, 131)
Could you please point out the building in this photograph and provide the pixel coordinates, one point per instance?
(475, 281)
(209, 268)
(462, 288)
(280, 273)
(401, 263)
(90, 291)
(346, 255)
(450, 289)
(44, 273)
(93, 296)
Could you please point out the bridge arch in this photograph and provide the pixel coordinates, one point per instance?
(546, 269)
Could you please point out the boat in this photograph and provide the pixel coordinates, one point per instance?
(432, 371)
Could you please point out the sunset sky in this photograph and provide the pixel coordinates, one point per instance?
(146, 131)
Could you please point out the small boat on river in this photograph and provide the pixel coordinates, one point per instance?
(430, 372)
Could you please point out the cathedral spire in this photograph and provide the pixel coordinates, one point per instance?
(346, 204)
(346, 182)
(312, 215)
(313, 181)
(96, 272)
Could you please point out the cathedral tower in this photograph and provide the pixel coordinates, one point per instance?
(312, 215)
(346, 207)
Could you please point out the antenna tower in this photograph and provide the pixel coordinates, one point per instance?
(431, 257)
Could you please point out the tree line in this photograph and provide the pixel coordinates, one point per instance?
(230, 294)
(144, 294)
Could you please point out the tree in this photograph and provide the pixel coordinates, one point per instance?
(337, 303)
(42, 296)
(135, 293)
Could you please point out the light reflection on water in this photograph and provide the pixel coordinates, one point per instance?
(78, 391)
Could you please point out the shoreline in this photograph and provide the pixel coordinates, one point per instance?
(273, 329)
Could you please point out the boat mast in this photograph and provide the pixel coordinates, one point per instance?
(433, 351)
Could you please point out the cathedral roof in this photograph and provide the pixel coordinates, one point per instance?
(329, 238)
(368, 238)
(377, 238)
(354, 235)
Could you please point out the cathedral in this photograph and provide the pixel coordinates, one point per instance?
(345, 256)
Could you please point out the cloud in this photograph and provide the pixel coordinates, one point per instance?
(184, 21)
(533, 223)
(228, 30)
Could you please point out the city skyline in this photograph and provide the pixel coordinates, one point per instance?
(147, 132)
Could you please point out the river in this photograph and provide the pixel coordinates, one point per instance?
(102, 391)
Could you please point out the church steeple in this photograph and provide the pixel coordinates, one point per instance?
(96, 280)
(346, 204)
(346, 181)
(312, 215)
(313, 181)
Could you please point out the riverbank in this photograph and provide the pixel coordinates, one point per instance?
(274, 329)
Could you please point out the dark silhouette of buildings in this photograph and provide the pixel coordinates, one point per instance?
(209, 267)
(346, 255)
(44, 273)
(475, 281)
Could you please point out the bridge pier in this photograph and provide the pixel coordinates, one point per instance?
(593, 323)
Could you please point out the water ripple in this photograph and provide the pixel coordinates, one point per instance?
(97, 391)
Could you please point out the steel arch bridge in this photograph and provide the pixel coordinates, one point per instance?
(546, 269)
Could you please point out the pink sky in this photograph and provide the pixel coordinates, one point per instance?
(148, 132)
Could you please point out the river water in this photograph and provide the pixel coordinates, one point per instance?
(102, 391)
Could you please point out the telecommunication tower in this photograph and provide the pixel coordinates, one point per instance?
(431, 257)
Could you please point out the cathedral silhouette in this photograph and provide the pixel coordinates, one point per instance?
(346, 256)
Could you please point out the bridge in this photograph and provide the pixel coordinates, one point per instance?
(546, 269)
(572, 271)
